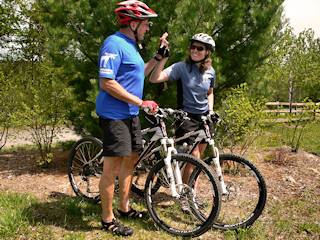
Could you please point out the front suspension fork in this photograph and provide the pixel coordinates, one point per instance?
(215, 159)
(174, 176)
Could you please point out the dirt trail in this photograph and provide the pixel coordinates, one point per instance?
(23, 137)
(288, 176)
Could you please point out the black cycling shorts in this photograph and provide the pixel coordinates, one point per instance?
(194, 124)
(121, 137)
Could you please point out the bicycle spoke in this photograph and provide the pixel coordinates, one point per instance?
(84, 168)
(183, 215)
(246, 196)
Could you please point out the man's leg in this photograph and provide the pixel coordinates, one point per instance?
(125, 181)
(111, 169)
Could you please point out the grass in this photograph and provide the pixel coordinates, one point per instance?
(280, 134)
(14, 214)
(24, 217)
(296, 218)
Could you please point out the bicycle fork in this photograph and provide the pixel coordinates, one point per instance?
(174, 176)
(215, 159)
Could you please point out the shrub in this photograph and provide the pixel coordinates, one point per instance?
(242, 119)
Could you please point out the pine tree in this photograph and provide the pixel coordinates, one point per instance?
(243, 31)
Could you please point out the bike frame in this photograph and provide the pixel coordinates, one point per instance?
(167, 144)
(201, 134)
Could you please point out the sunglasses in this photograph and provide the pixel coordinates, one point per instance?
(149, 24)
(199, 48)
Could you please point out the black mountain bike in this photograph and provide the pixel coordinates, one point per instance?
(244, 190)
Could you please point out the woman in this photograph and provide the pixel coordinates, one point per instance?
(196, 80)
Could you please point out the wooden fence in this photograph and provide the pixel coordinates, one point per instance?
(281, 108)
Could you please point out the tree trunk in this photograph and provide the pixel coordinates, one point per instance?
(290, 97)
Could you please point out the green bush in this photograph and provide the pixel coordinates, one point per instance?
(242, 119)
(6, 105)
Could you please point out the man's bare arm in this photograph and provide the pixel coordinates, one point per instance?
(117, 91)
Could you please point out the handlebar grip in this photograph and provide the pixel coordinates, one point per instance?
(215, 117)
(145, 108)
(169, 110)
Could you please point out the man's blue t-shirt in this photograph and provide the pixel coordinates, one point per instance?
(195, 85)
(119, 59)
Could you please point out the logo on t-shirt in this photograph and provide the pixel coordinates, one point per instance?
(105, 58)
(206, 78)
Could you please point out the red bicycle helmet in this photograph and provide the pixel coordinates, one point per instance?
(133, 10)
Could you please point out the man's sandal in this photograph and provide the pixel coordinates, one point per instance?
(117, 228)
(133, 214)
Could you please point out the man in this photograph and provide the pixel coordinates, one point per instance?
(121, 77)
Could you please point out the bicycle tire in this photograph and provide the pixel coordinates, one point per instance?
(141, 172)
(85, 168)
(247, 192)
(166, 211)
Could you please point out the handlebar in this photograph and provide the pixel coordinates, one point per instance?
(212, 117)
(180, 114)
(165, 112)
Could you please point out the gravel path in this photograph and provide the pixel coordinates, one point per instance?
(23, 137)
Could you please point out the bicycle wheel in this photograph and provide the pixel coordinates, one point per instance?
(247, 192)
(142, 170)
(176, 215)
(85, 168)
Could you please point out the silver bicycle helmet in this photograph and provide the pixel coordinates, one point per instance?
(205, 39)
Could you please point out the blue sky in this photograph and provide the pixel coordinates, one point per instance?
(303, 14)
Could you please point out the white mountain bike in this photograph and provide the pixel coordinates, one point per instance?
(159, 168)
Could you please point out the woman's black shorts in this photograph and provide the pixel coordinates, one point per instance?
(194, 124)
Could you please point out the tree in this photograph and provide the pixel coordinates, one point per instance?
(312, 86)
(243, 30)
(4, 109)
(294, 65)
(11, 28)
(76, 30)
(36, 94)
(42, 106)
